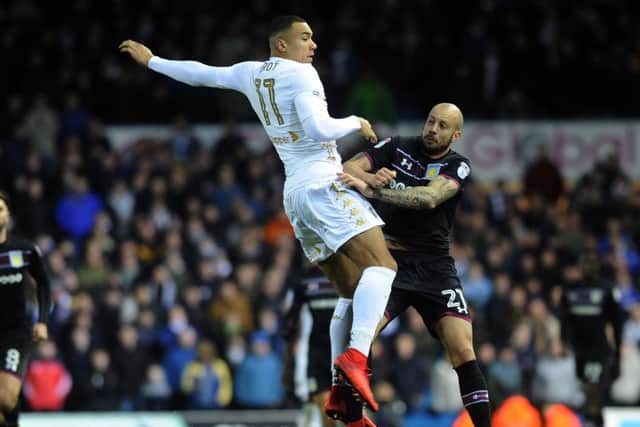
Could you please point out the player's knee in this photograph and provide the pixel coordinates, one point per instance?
(461, 355)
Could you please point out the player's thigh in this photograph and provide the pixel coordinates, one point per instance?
(456, 335)
(343, 273)
(369, 249)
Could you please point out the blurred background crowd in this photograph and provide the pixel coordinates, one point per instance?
(169, 259)
(505, 58)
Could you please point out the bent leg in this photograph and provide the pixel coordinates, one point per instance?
(456, 335)
(369, 259)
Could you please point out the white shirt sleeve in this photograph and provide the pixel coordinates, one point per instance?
(198, 74)
(313, 113)
(316, 121)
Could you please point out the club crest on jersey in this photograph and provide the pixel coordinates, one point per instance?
(433, 170)
(15, 259)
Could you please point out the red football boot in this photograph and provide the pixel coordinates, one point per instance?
(338, 404)
(342, 406)
(353, 366)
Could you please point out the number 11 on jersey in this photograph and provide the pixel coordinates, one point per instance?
(270, 84)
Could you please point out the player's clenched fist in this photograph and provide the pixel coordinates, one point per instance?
(139, 52)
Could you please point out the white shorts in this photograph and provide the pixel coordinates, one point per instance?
(326, 216)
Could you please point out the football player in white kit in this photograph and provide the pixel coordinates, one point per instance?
(337, 228)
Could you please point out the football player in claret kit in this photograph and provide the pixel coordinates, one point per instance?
(18, 258)
(417, 182)
(337, 228)
(590, 304)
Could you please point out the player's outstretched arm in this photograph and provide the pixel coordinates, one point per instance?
(439, 191)
(193, 73)
(360, 166)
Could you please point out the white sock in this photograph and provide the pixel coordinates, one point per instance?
(339, 329)
(369, 302)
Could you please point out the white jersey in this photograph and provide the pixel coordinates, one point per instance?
(289, 99)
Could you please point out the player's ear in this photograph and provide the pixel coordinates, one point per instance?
(456, 135)
(281, 45)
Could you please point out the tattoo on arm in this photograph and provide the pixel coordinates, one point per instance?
(428, 197)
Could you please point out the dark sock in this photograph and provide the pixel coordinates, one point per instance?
(475, 395)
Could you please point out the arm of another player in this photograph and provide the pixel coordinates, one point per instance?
(190, 72)
(360, 166)
(437, 192)
(39, 274)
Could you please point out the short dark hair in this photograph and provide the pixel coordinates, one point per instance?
(5, 198)
(281, 23)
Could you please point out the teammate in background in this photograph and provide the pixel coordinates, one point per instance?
(309, 308)
(17, 258)
(337, 228)
(418, 181)
(589, 305)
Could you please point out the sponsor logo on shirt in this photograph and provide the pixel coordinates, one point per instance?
(11, 279)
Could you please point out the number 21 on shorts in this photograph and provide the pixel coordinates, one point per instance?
(456, 300)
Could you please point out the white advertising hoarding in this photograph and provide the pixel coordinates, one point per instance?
(496, 149)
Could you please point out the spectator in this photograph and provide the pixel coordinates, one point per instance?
(130, 364)
(207, 380)
(408, 388)
(257, 381)
(178, 357)
(41, 125)
(77, 208)
(542, 177)
(155, 392)
(103, 392)
(555, 378)
(47, 383)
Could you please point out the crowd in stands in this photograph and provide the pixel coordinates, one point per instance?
(494, 58)
(169, 262)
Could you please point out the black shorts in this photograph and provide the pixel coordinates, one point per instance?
(319, 374)
(432, 287)
(15, 349)
(595, 370)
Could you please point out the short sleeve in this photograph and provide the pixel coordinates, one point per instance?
(381, 154)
